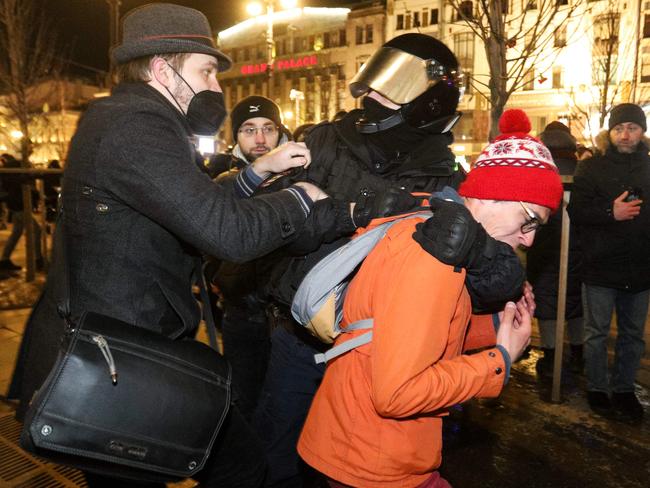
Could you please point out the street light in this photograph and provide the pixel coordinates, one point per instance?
(254, 9)
(297, 96)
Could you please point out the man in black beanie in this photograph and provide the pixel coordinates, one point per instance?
(627, 112)
(257, 131)
(607, 208)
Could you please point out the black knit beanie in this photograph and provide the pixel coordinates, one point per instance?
(556, 136)
(251, 107)
(627, 112)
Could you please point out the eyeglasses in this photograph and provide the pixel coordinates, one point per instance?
(533, 221)
(267, 130)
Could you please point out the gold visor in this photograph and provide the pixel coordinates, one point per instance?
(397, 75)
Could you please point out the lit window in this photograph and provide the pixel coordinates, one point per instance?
(559, 37)
(399, 23)
(466, 10)
(434, 16)
(557, 77)
(529, 80)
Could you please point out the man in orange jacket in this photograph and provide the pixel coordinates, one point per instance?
(376, 420)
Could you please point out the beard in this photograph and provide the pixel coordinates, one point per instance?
(255, 152)
(182, 93)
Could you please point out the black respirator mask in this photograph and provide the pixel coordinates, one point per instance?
(206, 111)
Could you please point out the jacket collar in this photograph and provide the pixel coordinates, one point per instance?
(431, 156)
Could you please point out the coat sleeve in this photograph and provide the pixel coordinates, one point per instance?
(480, 333)
(149, 166)
(589, 204)
(416, 363)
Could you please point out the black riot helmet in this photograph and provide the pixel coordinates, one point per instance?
(417, 72)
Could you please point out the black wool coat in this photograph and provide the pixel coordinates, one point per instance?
(543, 262)
(615, 253)
(138, 214)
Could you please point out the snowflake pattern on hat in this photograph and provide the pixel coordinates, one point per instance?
(515, 167)
(516, 151)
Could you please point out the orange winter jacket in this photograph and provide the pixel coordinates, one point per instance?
(376, 418)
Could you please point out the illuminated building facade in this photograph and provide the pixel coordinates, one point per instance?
(55, 106)
(567, 82)
(317, 52)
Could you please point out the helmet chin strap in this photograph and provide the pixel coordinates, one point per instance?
(365, 126)
(445, 124)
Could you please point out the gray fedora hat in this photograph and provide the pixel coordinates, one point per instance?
(163, 28)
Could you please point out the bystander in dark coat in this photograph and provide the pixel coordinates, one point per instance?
(543, 262)
(609, 208)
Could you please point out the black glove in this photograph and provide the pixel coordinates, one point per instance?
(328, 220)
(453, 237)
(371, 205)
(494, 272)
(498, 280)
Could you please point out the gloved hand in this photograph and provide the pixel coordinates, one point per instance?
(494, 272)
(391, 201)
(452, 235)
(496, 280)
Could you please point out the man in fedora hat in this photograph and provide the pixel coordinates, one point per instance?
(140, 211)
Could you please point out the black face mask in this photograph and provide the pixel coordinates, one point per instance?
(375, 111)
(206, 111)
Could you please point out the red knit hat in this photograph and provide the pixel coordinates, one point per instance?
(515, 167)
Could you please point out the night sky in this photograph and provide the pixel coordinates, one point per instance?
(83, 24)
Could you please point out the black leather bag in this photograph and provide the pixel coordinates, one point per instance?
(126, 402)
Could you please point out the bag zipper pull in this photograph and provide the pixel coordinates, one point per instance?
(106, 352)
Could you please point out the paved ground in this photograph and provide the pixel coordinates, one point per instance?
(520, 440)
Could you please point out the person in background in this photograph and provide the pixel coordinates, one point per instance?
(257, 130)
(300, 134)
(584, 152)
(51, 190)
(12, 184)
(543, 264)
(607, 206)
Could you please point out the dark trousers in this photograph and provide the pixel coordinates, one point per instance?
(236, 461)
(246, 346)
(291, 382)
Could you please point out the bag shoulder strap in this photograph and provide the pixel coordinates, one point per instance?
(332, 272)
(333, 269)
(61, 277)
(353, 343)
